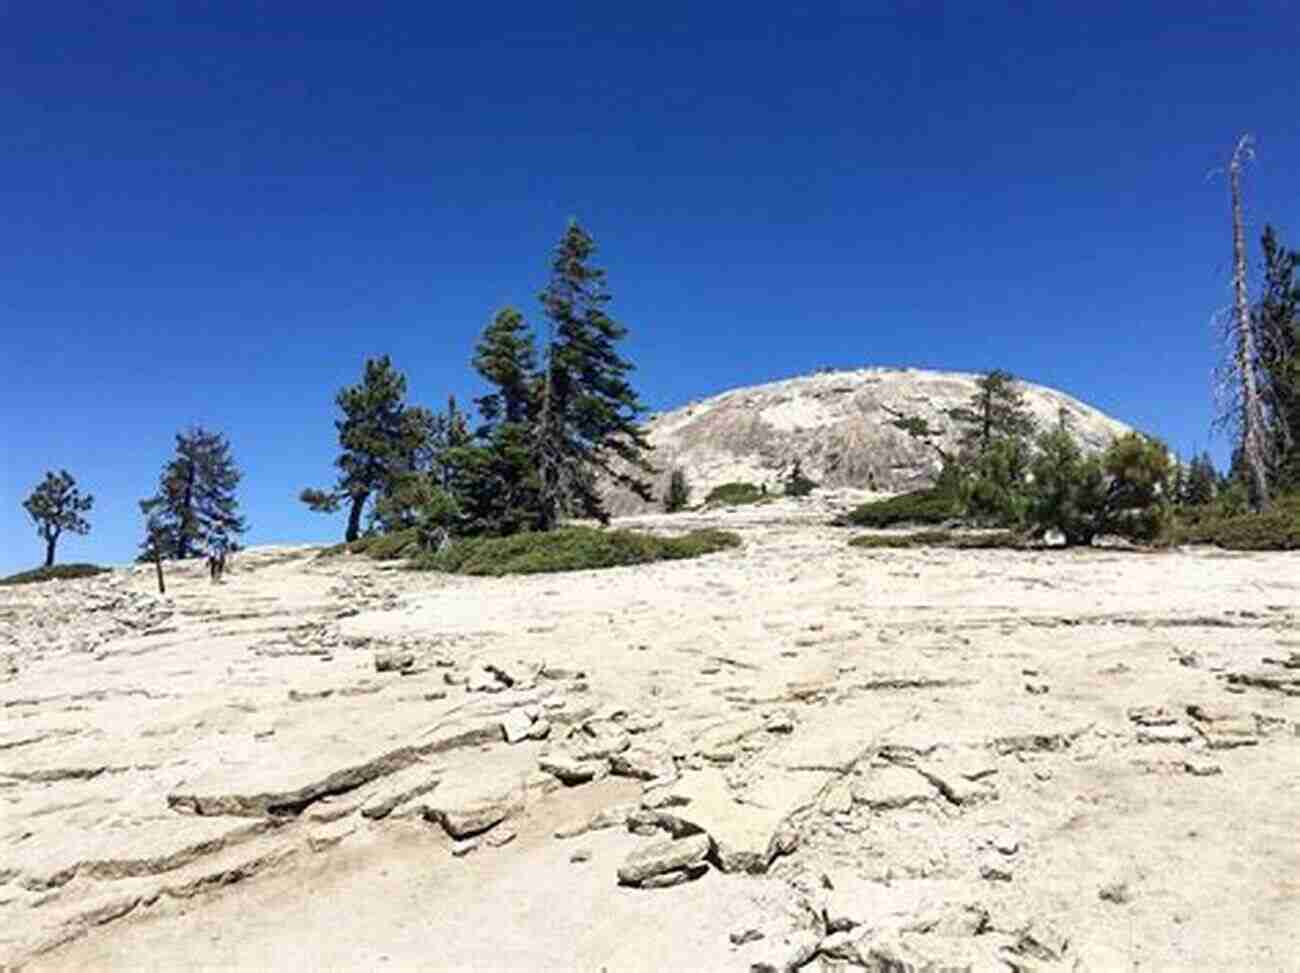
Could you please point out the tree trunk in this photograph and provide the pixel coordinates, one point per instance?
(157, 563)
(1252, 413)
(49, 550)
(354, 516)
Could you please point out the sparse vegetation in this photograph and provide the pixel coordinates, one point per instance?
(735, 494)
(941, 538)
(918, 507)
(570, 549)
(1278, 529)
(57, 572)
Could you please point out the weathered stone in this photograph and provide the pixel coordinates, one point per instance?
(329, 835)
(838, 798)
(889, 788)
(459, 849)
(788, 953)
(571, 769)
(516, 726)
(1151, 716)
(1201, 768)
(580, 855)
(499, 837)
(665, 855)
(540, 730)
(957, 788)
(746, 837)
(1041, 940)
(642, 763)
(465, 808)
(676, 877)
(405, 785)
(1166, 733)
(598, 741)
(393, 661)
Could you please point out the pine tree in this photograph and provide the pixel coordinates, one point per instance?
(506, 358)
(495, 483)
(1201, 482)
(1277, 324)
(679, 492)
(587, 416)
(55, 506)
(995, 411)
(195, 504)
(381, 438)
(994, 448)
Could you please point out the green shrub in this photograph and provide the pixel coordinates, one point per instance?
(1276, 530)
(918, 507)
(734, 494)
(797, 484)
(570, 549)
(940, 538)
(390, 547)
(58, 572)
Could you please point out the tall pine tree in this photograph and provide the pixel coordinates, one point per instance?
(587, 414)
(195, 504)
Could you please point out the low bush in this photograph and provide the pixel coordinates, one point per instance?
(382, 547)
(391, 547)
(940, 538)
(917, 507)
(58, 572)
(570, 549)
(1276, 530)
(734, 494)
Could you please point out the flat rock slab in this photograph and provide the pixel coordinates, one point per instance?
(746, 837)
(124, 847)
(399, 788)
(890, 788)
(297, 769)
(469, 805)
(666, 856)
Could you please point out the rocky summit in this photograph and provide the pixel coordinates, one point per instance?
(791, 755)
(839, 426)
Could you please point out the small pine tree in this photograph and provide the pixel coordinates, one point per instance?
(679, 492)
(56, 505)
(1201, 481)
(587, 414)
(195, 504)
(381, 438)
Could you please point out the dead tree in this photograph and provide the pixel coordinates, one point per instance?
(1241, 407)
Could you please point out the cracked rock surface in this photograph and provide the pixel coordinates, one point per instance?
(794, 755)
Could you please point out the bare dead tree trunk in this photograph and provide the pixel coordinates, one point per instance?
(1251, 418)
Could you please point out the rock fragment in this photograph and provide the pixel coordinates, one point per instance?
(393, 661)
(664, 856)
(893, 787)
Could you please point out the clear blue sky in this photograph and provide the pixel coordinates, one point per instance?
(213, 216)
